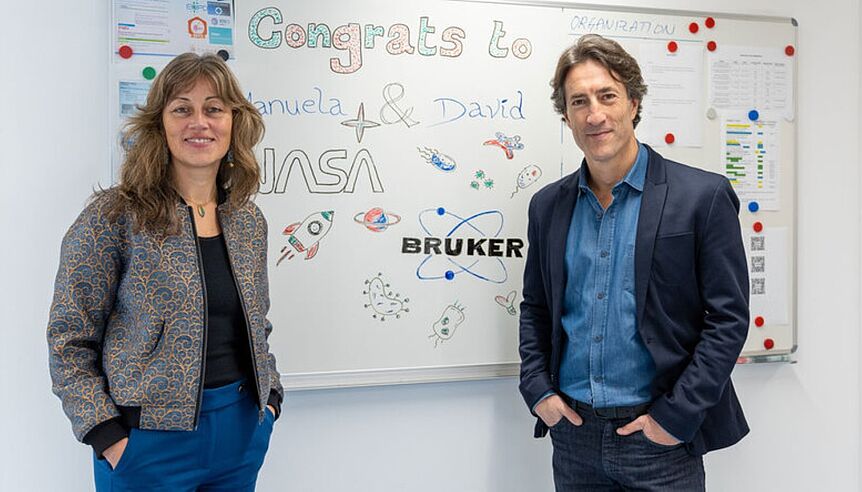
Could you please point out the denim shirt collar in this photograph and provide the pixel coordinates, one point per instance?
(634, 178)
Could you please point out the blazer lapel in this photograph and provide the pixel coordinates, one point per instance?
(652, 206)
(559, 229)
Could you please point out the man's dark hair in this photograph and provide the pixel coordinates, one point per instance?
(608, 53)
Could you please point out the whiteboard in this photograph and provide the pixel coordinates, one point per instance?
(404, 141)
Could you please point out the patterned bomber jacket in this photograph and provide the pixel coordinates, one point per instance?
(127, 321)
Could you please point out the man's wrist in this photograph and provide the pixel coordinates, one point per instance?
(543, 398)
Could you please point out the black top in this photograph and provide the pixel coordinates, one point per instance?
(227, 358)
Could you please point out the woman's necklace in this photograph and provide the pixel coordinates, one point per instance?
(201, 210)
(200, 207)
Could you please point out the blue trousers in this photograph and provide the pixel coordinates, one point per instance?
(223, 454)
(593, 458)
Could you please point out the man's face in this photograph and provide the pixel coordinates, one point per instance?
(599, 113)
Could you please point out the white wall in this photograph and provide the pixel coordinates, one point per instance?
(458, 436)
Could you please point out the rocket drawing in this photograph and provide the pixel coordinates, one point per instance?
(305, 236)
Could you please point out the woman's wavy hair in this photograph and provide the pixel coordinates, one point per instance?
(607, 53)
(146, 188)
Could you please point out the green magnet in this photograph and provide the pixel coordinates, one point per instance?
(149, 73)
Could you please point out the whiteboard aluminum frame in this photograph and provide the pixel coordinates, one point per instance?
(643, 10)
(397, 376)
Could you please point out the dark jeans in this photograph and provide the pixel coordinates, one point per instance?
(593, 457)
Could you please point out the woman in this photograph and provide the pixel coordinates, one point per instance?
(158, 329)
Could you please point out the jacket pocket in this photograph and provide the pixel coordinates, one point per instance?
(153, 343)
(674, 259)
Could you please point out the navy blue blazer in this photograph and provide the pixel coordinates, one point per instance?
(691, 288)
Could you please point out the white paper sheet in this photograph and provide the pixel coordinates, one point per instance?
(745, 78)
(132, 94)
(750, 157)
(674, 100)
(769, 274)
(169, 28)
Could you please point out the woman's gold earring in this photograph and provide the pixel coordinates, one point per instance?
(230, 158)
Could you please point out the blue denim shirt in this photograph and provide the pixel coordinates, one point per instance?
(605, 362)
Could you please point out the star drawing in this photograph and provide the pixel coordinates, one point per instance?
(360, 123)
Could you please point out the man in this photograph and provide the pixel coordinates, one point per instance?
(635, 296)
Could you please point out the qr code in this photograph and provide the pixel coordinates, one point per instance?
(758, 286)
(758, 264)
(758, 243)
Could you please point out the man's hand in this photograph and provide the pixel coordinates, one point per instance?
(553, 409)
(271, 409)
(115, 451)
(651, 429)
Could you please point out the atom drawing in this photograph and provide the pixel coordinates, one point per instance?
(508, 302)
(449, 321)
(440, 161)
(376, 220)
(382, 301)
(452, 228)
(508, 144)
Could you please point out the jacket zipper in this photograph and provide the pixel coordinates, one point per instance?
(206, 319)
(244, 314)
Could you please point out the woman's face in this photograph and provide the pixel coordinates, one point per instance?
(197, 127)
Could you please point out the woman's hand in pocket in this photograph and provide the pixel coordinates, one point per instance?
(114, 452)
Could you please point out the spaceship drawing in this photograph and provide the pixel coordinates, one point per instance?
(305, 236)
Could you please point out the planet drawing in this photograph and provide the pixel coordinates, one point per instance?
(376, 219)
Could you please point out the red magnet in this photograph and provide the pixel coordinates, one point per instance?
(709, 22)
(768, 343)
(711, 46)
(758, 226)
(672, 47)
(693, 27)
(125, 51)
(758, 321)
(789, 50)
(669, 138)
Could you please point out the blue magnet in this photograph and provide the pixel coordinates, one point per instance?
(449, 274)
(753, 115)
(441, 211)
(753, 207)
